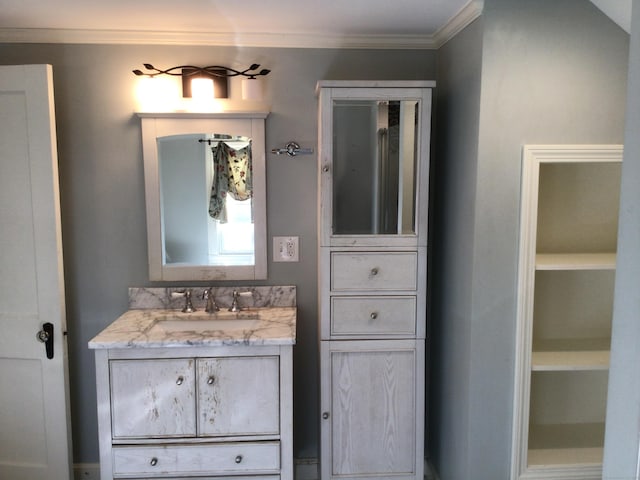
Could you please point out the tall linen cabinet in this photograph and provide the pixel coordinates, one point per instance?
(372, 264)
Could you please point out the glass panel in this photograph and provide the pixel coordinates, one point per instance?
(374, 167)
(187, 172)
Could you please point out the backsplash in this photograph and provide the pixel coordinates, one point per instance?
(267, 296)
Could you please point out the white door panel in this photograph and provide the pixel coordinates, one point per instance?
(34, 426)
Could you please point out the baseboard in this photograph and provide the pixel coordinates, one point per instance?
(86, 471)
(430, 472)
(305, 469)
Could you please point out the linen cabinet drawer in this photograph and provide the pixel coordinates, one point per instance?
(373, 271)
(173, 460)
(392, 315)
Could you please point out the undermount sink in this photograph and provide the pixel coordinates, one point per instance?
(202, 321)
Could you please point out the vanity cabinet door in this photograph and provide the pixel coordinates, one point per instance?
(371, 394)
(153, 398)
(238, 396)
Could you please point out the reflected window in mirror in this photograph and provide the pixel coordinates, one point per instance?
(233, 243)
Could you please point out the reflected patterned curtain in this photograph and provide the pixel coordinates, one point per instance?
(232, 176)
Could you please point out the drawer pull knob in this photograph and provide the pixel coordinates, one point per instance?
(325, 415)
(374, 271)
(179, 381)
(210, 380)
(239, 459)
(153, 462)
(374, 315)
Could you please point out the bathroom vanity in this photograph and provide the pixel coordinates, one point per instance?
(188, 395)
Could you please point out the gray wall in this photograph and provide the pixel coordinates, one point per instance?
(553, 71)
(102, 189)
(622, 441)
(454, 187)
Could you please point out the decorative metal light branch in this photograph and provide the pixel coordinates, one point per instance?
(219, 74)
(214, 70)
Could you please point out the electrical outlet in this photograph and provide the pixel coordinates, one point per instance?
(285, 249)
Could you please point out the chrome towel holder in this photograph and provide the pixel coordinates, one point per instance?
(292, 149)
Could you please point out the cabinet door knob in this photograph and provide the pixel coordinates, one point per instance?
(325, 169)
(238, 458)
(210, 380)
(180, 380)
(374, 315)
(153, 462)
(374, 271)
(325, 415)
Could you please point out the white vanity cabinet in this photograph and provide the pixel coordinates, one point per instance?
(569, 209)
(372, 264)
(214, 412)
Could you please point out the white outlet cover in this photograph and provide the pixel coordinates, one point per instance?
(285, 249)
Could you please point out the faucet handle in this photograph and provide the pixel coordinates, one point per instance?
(235, 305)
(186, 293)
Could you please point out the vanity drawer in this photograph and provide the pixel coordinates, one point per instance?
(373, 315)
(373, 271)
(218, 459)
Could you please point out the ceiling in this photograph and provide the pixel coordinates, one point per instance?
(276, 23)
(283, 23)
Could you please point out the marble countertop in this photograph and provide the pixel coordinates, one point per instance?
(153, 328)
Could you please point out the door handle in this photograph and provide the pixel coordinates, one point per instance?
(46, 336)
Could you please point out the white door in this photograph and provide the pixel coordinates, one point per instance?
(34, 425)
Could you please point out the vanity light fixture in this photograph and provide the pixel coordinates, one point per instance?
(218, 74)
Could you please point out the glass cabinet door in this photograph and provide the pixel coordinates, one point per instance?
(374, 166)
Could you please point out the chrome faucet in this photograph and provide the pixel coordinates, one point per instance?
(211, 306)
(235, 305)
(188, 306)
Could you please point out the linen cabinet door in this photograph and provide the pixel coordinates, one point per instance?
(238, 396)
(372, 409)
(153, 398)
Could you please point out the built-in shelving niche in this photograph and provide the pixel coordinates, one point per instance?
(570, 197)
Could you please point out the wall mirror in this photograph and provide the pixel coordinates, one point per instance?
(205, 196)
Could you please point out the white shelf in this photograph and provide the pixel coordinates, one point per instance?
(554, 457)
(575, 261)
(570, 360)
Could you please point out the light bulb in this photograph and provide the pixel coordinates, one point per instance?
(202, 89)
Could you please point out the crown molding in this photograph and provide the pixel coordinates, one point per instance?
(275, 40)
(458, 22)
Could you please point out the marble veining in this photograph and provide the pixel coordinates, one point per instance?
(267, 296)
(155, 320)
